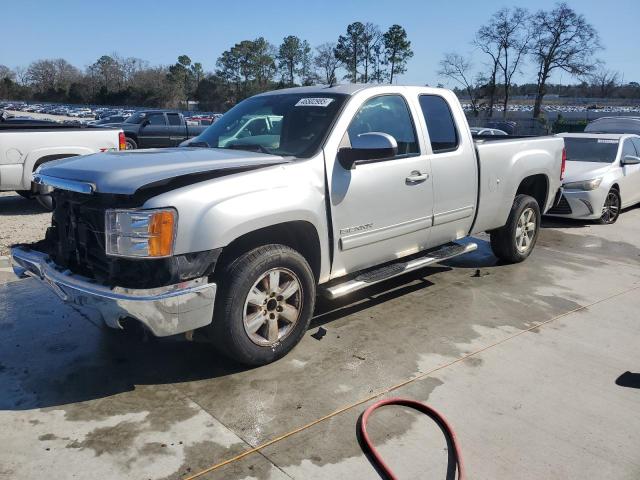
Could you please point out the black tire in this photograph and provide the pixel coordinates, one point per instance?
(504, 242)
(227, 331)
(611, 207)
(45, 200)
(130, 143)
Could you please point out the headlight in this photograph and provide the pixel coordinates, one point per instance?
(140, 233)
(584, 185)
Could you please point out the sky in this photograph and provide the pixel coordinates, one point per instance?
(159, 31)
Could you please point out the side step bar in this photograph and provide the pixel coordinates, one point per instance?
(378, 275)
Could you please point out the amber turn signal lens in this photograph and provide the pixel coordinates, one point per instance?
(161, 233)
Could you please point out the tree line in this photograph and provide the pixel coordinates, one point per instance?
(552, 41)
(548, 41)
(364, 53)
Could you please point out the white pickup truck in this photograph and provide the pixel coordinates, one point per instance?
(24, 147)
(234, 239)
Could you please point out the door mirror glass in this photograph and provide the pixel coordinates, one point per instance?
(366, 147)
(630, 160)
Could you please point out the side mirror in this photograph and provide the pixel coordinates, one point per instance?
(630, 160)
(144, 122)
(368, 147)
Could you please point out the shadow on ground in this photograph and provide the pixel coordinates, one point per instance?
(17, 205)
(82, 362)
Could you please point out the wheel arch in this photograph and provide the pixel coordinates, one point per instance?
(299, 235)
(536, 186)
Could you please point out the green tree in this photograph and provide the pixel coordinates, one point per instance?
(350, 50)
(289, 57)
(397, 50)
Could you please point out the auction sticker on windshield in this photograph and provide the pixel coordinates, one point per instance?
(314, 102)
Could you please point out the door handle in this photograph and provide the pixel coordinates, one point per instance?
(417, 177)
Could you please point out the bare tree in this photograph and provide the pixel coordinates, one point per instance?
(21, 75)
(371, 38)
(326, 62)
(458, 69)
(488, 43)
(564, 40)
(6, 72)
(515, 36)
(605, 81)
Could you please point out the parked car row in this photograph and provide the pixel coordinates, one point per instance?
(95, 114)
(559, 108)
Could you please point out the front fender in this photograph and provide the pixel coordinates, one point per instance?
(214, 213)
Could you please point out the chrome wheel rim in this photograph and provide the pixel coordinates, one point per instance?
(526, 230)
(273, 307)
(611, 209)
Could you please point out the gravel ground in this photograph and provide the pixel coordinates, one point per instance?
(21, 220)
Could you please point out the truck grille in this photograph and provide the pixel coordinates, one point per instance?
(562, 208)
(75, 241)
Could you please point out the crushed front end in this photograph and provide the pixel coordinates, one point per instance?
(169, 295)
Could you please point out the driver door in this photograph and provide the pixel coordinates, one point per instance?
(381, 209)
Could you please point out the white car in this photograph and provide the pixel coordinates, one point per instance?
(487, 131)
(602, 176)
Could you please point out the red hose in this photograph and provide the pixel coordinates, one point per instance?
(421, 407)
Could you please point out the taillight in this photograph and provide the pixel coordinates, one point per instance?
(564, 163)
(122, 144)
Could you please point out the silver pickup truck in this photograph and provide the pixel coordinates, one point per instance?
(343, 188)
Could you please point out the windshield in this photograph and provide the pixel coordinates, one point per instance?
(135, 118)
(284, 124)
(591, 149)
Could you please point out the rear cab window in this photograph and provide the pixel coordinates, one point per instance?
(174, 119)
(441, 126)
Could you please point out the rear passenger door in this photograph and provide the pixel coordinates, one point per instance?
(454, 170)
(154, 131)
(177, 129)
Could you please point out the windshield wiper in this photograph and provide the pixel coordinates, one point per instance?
(251, 147)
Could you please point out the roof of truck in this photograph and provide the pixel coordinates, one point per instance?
(343, 88)
(602, 136)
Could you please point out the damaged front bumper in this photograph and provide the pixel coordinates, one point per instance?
(167, 310)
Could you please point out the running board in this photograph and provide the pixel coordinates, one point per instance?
(378, 275)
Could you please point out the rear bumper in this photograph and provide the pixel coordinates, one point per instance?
(164, 311)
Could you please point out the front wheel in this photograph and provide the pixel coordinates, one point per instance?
(264, 305)
(611, 208)
(514, 242)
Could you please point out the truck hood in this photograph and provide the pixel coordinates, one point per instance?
(127, 172)
(578, 171)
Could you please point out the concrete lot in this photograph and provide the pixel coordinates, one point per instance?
(522, 359)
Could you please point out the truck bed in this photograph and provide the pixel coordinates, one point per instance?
(499, 156)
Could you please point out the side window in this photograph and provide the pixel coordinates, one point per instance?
(628, 148)
(387, 114)
(440, 124)
(636, 143)
(156, 119)
(174, 119)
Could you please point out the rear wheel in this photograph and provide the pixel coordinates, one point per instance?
(611, 208)
(130, 143)
(514, 242)
(264, 305)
